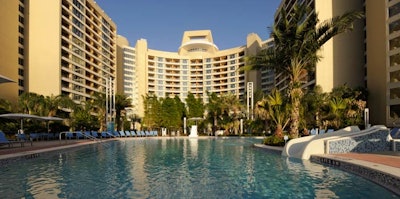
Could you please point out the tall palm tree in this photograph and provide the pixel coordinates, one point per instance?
(121, 102)
(297, 39)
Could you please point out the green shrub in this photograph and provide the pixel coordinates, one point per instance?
(274, 141)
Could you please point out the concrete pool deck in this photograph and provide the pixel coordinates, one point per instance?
(381, 168)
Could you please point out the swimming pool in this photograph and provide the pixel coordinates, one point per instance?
(178, 168)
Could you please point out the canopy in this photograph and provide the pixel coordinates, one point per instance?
(49, 118)
(20, 116)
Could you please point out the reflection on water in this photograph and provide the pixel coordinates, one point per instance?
(179, 168)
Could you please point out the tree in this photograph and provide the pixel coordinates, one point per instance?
(277, 110)
(195, 107)
(213, 109)
(121, 102)
(297, 39)
(170, 114)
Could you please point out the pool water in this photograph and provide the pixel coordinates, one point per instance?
(179, 168)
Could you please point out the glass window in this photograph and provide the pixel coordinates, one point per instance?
(394, 26)
(394, 10)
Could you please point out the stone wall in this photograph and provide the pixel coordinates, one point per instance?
(375, 141)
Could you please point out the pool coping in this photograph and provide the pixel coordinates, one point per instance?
(383, 175)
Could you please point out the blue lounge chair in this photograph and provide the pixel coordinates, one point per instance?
(142, 134)
(104, 135)
(133, 134)
(69, 135)
(87, 135)
(155, 133)
(122, 133)
(128, 134)
(79, 135)
(95, 134)
(5, 141)
(34, 136)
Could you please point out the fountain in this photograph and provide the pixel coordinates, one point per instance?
(193, 131)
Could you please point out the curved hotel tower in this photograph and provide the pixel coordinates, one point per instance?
(197, 67)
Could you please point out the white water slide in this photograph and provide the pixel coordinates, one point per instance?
(304, 147)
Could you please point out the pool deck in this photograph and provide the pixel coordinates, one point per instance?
(382, 168)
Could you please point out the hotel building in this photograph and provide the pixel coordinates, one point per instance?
(383, 61)
(342, 57)
(197, 67)
(56, 47)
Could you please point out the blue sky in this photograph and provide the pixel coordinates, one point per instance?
(162, 22)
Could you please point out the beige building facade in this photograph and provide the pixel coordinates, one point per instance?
(69, 48)
(197, 67)
(383, 61)
(342, 57)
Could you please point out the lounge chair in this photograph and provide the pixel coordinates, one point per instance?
(69, 135)
(105, 134)
(34, 136)
(95, 134)
(128, 134)
(122, 133)
(4, 141)
(79, 135)
(133, 134)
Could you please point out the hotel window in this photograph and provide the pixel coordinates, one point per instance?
(233, 85)
(21, 19)
(233, 79)
(21, 51)
(160, 88)
(160, 82)
(21, 9)
(184, 77)
(208, 88)
(232, 73)
(21, 61)
(233, 61)
(21, 40)
(184, 72)
(20, 29)
(208, 83)
(160, 70)
(232, 67)
(160, 76)
(208, 66)
(208, 71)
(208, 77)
(20, 72)
(394, 10)
(184, 83)
(208, 60)
(184, 66)
(160, 59)
(184, 61)
(160, 65)
(232, 56)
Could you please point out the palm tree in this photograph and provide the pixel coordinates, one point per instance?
(121, 102)
(277, 110)
(297, 39)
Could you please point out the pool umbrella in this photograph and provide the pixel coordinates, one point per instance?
(48, 119)
(20, 116)
(4, 79)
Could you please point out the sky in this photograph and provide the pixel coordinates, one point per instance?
(162, 22)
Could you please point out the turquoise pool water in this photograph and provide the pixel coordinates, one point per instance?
(178, 168)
